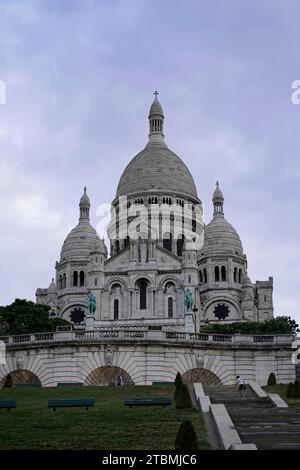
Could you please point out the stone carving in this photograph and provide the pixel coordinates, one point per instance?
(108, 356)
(143, 251)
(199, 360)
(20, 361)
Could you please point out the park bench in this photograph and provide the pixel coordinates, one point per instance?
(147, 402)
(34, 384)
(71, 402)
(69, 384)
(8, 404)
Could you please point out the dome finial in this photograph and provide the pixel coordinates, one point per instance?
(155, 94)
(84, 189)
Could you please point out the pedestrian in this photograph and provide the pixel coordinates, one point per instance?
(240, 382)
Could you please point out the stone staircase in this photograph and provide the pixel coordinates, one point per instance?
(257, 420)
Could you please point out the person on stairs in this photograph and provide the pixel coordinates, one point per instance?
(240, 382)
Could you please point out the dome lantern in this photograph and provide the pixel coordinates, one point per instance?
(156, 121)
(84, 206)
(218, 200)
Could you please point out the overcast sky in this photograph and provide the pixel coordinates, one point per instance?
(79, 80)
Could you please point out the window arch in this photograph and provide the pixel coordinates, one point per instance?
(81, 278)
(201, 277)
(143, 284)
(217, 274)
(170, 307)
(235, 276)
(75, 278)
(64, 281)
(223, 273)
(116, 309)
(205, 275)
(240, 276)
(167, 241)
(60, 283)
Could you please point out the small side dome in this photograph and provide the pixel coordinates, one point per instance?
(246, 281)
(52, 287)
(99, 247)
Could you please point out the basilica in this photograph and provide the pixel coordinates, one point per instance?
(160, 248)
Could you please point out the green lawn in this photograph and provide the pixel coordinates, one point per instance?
(281, 390)
(107, 426)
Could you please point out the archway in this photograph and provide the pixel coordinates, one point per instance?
(205, 376)
(107, 375)
(21, 376)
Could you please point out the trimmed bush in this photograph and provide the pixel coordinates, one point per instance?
(183, 398)
(297, 389)
(186, 438)
(178, 383)
(271, 379)
(290, 390)
(8, 382)
(178, 380)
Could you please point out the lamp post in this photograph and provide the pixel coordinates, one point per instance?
(194, 310)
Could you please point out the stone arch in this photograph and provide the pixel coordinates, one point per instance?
(115, 280)
(107, 375)
(169, 278)
(21, 376)
(140, 276)
(219, 299)
(205, 376)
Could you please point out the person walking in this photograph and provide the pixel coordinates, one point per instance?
(240, 382)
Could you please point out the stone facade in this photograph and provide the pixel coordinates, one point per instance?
(159, 246)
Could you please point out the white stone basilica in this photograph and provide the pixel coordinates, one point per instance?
(159, 247)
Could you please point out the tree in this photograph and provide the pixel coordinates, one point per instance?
(24, 316)
(278, 325)
(178, 380)
(271, 380)
(186, 438)
(297, 389)
(183, 398)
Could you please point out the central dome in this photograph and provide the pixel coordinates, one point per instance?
(156, 168)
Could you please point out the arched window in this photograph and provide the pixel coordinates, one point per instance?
(81, 278)
(75, 278)
(116, 309)
(240, 276)
(126, 241)
(180, 242)
(205, 275)
(60, 284)
(235, 275)
(223, 273)
(143, 293)
(167, 241)
(117, 246)
(64, 281)
(96, 282)
(170, 307)
(217, 274)
(201, 277)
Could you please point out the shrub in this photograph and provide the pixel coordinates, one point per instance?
(186, 438)
(8, 382)
(271, 379)
(183, 398)
(290, 390)
(178, 380)
(297, 389)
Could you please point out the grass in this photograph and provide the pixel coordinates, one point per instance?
(281, 390)
(109, 425)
